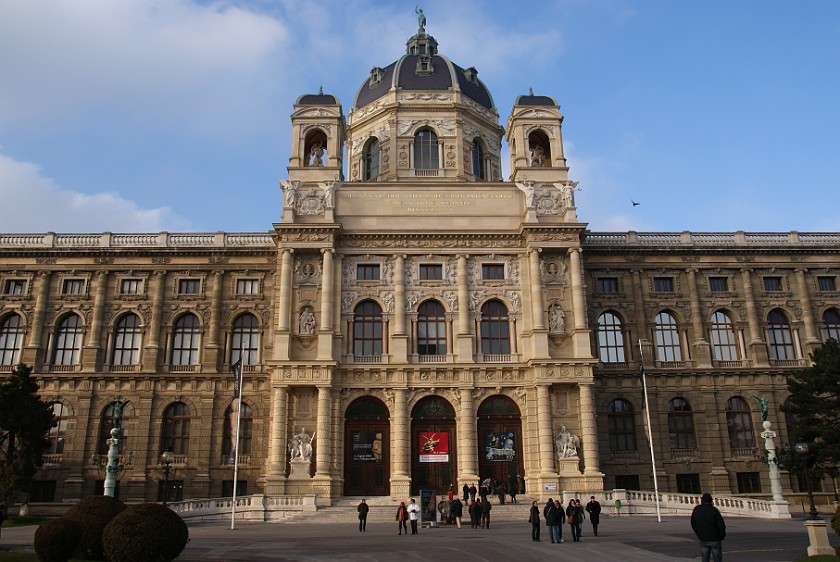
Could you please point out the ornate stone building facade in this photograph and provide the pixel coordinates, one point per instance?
(422, 322)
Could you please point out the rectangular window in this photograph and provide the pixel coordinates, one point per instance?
(718, 284)
(189, 286)
(42, 491)
(73, 287)
(607, 285)
(627, 482)
(688, 483)
(131, 286)
(772, 284)
(663, 284)
(492, 271)
(247, 286)
(827, 283)
(367, 272)
(241, 488)
(749, 483)
(174, 493)
(431, 272)
(15, 287)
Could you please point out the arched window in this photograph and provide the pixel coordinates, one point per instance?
(367, 329)
(56, 434)
(431, 329)
(186, 338)
(106, 423)
(621, 426)
(610, 339)
(540, 149)
(724, 344)
(176, 428)
(779, 337)
(426, 150)
(245, 340)
(831, 324)
(315, 147)
(739, 423)
(246, 431)
(127, 341)
(11, 339)
(667, 338)
(371, 160)
(680, 424)
(68, 341)
(478, 159)
(495, 330)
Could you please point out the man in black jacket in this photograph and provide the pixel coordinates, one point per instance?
(710, 529)
(363, 513)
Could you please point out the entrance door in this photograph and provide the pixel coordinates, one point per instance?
(433, 438)
(499, 440)
(366, 449)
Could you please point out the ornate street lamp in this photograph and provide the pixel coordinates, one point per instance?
(111, 464)
(166, 459)
(802, 449)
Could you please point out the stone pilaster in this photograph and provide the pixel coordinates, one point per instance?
(702, 351)
(464, 348)
(92, 353)
(399, 339)
(548, 469)
(581, 335)
(468, 444)
(758, 349)
(276, 461)
(323, 441)
(589, 430)
(812, 341)
(400, 441)
(213, 352)
(325, 333)
(151, 351)
(32, 352)
(284, 305)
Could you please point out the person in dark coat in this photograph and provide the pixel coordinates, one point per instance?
(456, 509)
(466, 491)
(486, 506)
(552, 520)
(593, 508)
(473, 492)
(534, 520)
(475, 514)
(513, 488)
(363, 512)
(572, 518)
(710, 529)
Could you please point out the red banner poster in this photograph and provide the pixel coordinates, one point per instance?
(434, 447)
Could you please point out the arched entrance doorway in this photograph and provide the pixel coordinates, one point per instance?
(366, 448)
(433, 439)
(499, 439)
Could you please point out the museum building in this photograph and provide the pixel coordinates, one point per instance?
(414, 321)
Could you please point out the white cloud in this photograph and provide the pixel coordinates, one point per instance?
(34, 203)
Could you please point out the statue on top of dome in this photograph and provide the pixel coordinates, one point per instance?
(421, 18)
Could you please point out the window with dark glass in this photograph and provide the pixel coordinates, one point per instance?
(607, 285)
(131, 286)
(176, 429)
(621, 426)
(667, 338)
(426, 150)
(127, 340)
(739, 424)
(245, 340)
(189, 286)
(831, 324)
(680, 424)
(478, 160)
(724, 343)
(174, 493)
(68, 341)
(41, 491)
(11, 339)
(241, 488)
(73, 287)
(15, 287)
(627, 482)
(247, 286)
(492, 271)
(57, 433)
(367, 329)
(610, 339)
(246, 430)
(431, 329)
(431, 272)
(688, 483)
(772, 284)
(718, 284)
(371, 160)
(495, 329)
(827, 283)
(779, 336)
(367, 272)
(749, 482)
(186, 337)
(663, 284)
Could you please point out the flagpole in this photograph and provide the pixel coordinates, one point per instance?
(235, 444)
(649, 433)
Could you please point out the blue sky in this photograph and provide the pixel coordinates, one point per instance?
(148, 115)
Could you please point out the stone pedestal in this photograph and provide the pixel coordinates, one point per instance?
(818, 544)
(568, 466)
(299, 470)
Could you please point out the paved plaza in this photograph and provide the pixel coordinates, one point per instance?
(625, 539)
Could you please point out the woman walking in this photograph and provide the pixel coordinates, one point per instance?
(535, 522)
(402, 517)
(572, 519)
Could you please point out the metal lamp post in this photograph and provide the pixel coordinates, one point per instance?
(166, 459)
(802, 449)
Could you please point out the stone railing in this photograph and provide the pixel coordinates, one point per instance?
(159, 240)
(256, 507)
(710, 239)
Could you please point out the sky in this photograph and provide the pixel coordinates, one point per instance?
(152, 115)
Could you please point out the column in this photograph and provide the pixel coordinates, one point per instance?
(702, 351)
(91, 355)
(152, 349)
(811, 338)
(400, 443)
(213, 350)
(399, 295)
(581, 341)
(758, 350)
(547, 466)
(467, 430)
(323, 442)
(538, 308)
(284, 301)
(588, 430)
(31, 355)
(277, 442)
(327, 291)
(464, 338)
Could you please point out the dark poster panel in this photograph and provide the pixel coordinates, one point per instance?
(499, 446)
(428, 505)
(366, 446)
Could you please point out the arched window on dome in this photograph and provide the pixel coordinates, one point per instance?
(479, 164)
(539, 148)
(11, 339)
(426, 150)
(831, 324)
(370, 158)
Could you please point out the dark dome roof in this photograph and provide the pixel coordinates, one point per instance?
(531, 99)
(408, 73)
(317, 99)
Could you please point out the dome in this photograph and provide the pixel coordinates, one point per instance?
(422, 68)
(531, 99)
(317, 99)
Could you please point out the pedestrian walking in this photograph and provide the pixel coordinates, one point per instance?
(593, 508)
(363, 513)
(466, 492)
(553, 520)
(571, 519)
(475, 514)
(534, 520)
(402, 517)
(580, 515)
(413, 515)
(513, 488)
(486, 506)
(473, 492)
(456, 509)
(708, 525)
